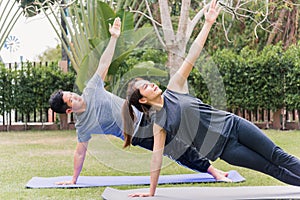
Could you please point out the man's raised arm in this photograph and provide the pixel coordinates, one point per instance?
(108, 53)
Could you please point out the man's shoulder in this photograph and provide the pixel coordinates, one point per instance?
(85, 125)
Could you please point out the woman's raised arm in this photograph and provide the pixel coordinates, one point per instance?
(178, 80)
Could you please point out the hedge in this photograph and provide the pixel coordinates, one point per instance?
(269, 79)
(26, 87)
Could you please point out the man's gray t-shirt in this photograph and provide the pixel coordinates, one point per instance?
(102, 114)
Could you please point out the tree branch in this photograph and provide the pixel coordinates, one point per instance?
(155, 27)
(166, 22)
(183, 21)
(293, 4)
(237, 14)
(195, 20)
(264, 19)
(154, 22)
(150, 18)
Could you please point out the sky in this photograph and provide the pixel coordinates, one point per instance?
(33, 36)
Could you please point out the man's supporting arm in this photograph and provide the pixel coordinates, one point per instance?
(79, 157)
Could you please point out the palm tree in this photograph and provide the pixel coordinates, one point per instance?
(86, 34)
(9, 14)
(11, 11)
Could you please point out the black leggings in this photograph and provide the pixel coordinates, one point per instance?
(249, 147)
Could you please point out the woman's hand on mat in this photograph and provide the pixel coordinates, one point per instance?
(223, 176)
(225, 179)
(65, 183)
(140, 195)
(219, 175)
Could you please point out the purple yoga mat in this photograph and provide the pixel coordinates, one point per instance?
(98, 181)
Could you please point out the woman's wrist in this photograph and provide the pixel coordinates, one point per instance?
(209, 23)
(74, 180)
(114, 37)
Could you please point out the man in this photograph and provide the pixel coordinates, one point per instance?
(98, 111)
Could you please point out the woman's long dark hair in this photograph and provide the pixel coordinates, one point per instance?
(133, 96)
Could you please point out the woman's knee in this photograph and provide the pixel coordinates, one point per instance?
(281, 158)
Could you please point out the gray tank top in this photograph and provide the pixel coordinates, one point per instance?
(195, 123)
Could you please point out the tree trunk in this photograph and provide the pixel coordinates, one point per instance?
(63, 121)
(277, 26)
(174, 61)
(64, 66)
(298, 111)
(175, 43)
(277, 120)
(286, 27)
(291, 27)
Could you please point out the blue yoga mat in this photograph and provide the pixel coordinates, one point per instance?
(97, 181)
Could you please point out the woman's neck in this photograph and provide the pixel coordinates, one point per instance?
(158, 103)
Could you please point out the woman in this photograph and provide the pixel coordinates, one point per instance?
(215, 133)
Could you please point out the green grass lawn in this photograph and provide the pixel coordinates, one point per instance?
(24, 155)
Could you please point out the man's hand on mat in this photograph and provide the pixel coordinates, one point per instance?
(65, 183)
(140, 195)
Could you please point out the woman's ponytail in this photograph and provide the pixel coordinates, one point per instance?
(133, 97)
(128, 123)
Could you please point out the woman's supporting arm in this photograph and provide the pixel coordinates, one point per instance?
(156, 161)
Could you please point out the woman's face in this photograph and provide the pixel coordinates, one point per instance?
(148, 90)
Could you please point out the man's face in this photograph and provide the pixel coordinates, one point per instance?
(73, 100)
